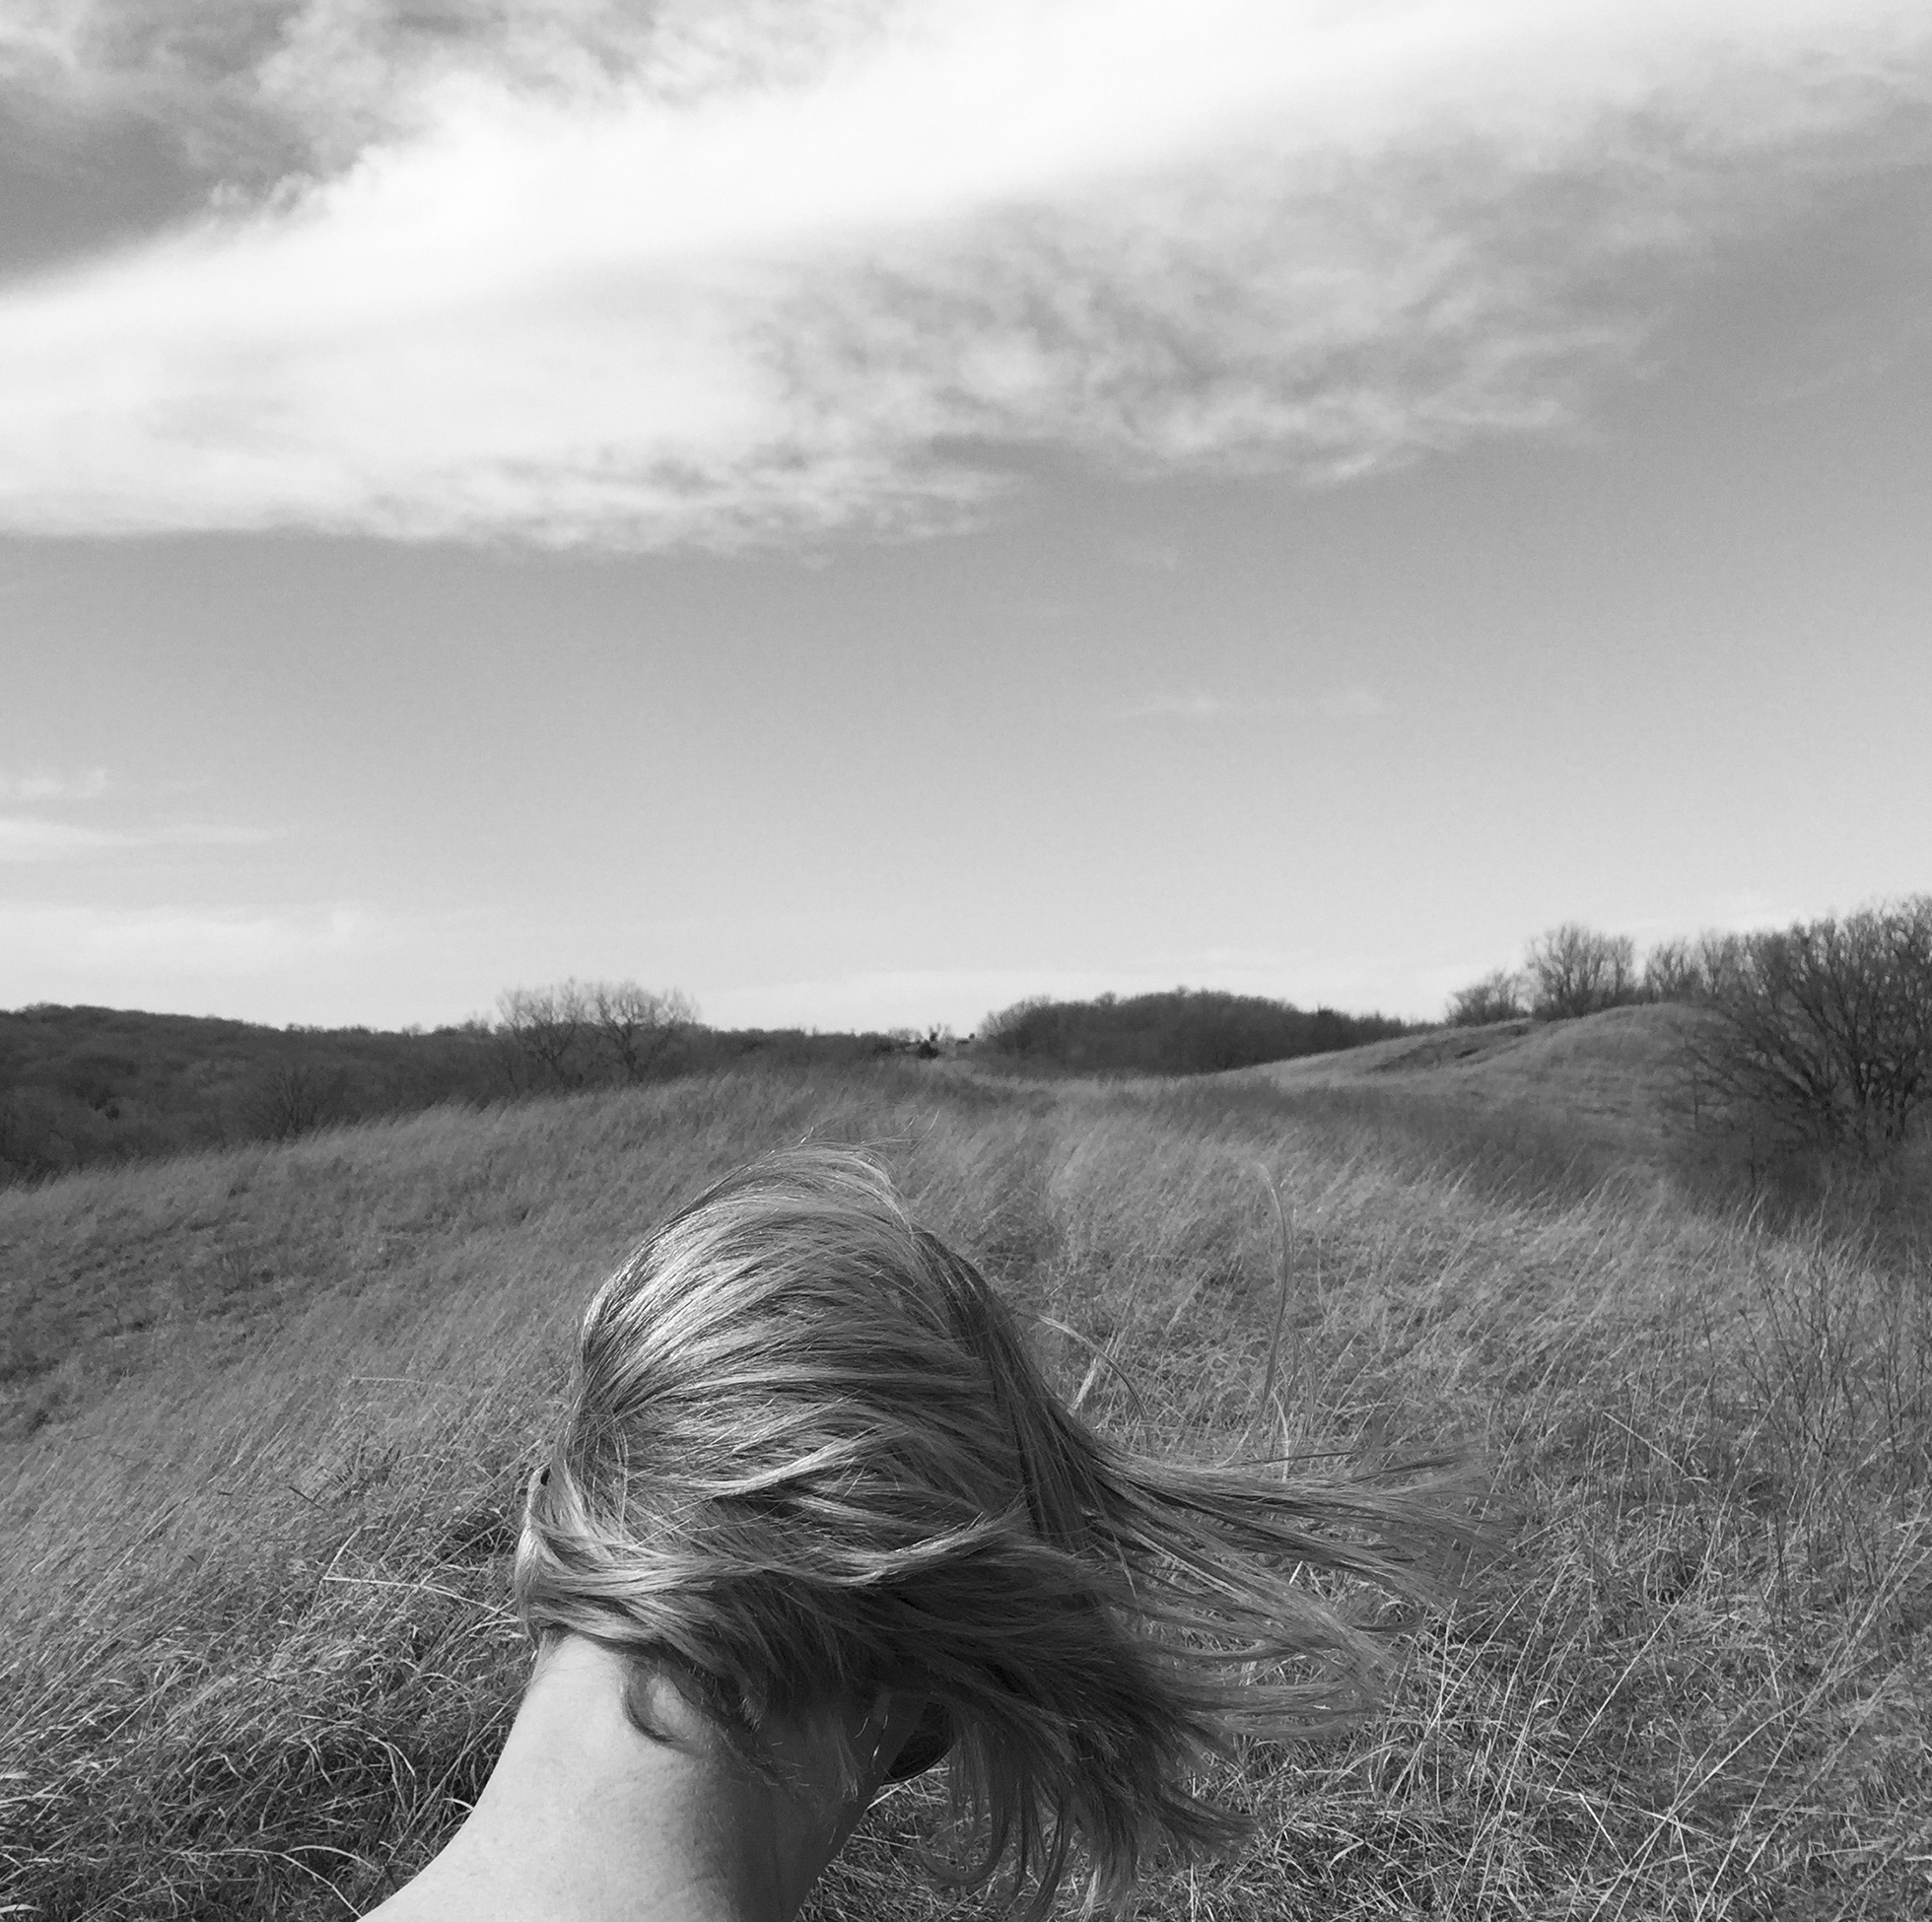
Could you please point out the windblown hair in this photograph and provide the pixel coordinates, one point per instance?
(807, 1456)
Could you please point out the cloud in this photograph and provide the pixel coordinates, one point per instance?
(1356, 701)
(918, 998)
(1195, 706)
(758, 271)
(886, 998)
(81, 785)
(30, 838)
(1352, 703)
(145, 957)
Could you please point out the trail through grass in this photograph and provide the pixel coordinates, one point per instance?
(266, 1417)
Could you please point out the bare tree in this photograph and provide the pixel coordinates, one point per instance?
(544, 1033)
(1671, 973)
(1716, 955)
(637, 1025)
(1822, 1031)
(1027, 1027)
(291, 1100)
(1498, 996)
(1574, 970)
(578, 1032)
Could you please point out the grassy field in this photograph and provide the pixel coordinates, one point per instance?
(266, 1413)
(1609, 1089)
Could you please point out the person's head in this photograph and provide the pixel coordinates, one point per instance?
(809, 1461)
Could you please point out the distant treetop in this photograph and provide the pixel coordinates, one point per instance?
(1182, 1030)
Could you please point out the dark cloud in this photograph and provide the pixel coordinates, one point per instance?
(593, 283)
(80, 189)
(121, 117)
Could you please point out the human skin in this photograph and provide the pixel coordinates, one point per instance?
(585, 1818)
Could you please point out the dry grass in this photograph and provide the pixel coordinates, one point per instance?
(255, 1655)
(1612, 1082)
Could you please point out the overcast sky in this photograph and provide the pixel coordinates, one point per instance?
(865, 511)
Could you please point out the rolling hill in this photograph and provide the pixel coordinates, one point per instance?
(267, 1410)
(1614, 1078)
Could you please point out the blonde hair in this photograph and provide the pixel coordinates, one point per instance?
(807, 1456)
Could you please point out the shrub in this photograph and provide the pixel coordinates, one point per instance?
(1823, 1036)
(587, 1033)
(1187, 1031)
(1498, 996)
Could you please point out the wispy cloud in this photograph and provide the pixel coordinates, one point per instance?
(1352, 703)
(962, 996)
(1356, 701)
(59, 951)
(907, 997)
(764, 269)
(32, 837)
(42, 784)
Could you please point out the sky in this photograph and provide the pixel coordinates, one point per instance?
(865, 511)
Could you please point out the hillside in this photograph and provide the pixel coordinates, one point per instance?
(81, 1086)
(84, 1087)
(272, 1407)
(1612, 1084)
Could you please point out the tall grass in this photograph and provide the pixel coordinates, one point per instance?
(270, 1426)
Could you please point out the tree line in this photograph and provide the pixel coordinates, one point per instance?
(1182, 1030)
(587, 1033)
(89, 1087)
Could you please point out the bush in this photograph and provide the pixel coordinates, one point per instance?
(1498, 996)
(1823, 1036)
(579, 1034)
(1188, 1031)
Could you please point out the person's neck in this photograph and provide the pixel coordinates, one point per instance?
(587, 1819)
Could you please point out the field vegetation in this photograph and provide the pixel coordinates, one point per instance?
(88, 1087)
(1798, 1064)
(1182, 1030)
(267, 1413)
(84, 1087)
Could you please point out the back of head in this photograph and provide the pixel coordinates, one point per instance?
(807, 1456)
